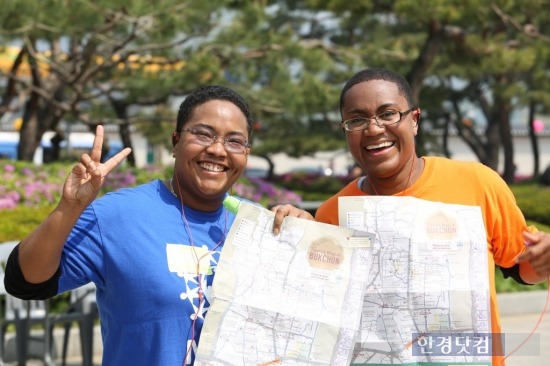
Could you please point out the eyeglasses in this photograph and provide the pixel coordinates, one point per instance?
(385, 119)
(232, 144)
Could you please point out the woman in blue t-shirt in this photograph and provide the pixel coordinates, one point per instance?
(150, 250)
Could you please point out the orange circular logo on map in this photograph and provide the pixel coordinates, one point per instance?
(325, 253)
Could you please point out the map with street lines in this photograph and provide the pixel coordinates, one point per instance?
(291, 299)
(427, 297)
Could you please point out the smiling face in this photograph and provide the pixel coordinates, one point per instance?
(204, 174)
(385, 154)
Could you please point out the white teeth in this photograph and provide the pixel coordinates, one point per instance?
(380, 146)
(212, 167)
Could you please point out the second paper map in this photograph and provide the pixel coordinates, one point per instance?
(291, 299)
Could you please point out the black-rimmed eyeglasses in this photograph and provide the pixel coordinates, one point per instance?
(232, 144)
(385, 119)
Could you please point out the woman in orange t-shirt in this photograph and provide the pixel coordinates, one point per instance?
(380, 124)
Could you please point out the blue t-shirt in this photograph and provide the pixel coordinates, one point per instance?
(135, 246)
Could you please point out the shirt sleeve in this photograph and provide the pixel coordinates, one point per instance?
(513, 272)
(17, 286)
(505, 221)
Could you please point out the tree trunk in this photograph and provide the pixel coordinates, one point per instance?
(445, 137)
(41, 114)
(419, 69)
(271, 169)
(29, 137)
(124, 131)
(468, 133)
(430, 49)
(121, 110)
(30, 134)
(507, 143)
(534, 140)
(492, 144)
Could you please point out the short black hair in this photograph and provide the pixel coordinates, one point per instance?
(378, 73)
(207, 93)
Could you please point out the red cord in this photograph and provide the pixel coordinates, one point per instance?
(536, 325)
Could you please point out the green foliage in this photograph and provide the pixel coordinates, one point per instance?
(287, 73)
(289, 58)
(531, 198)
(18, 223)
(28, 192)
(106, 57)
(311, 186)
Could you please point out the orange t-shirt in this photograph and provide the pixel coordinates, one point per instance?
(464, 183)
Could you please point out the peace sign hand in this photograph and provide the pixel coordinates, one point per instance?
(86, 178)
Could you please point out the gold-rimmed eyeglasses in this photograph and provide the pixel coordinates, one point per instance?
(385, 119)
(232, 144)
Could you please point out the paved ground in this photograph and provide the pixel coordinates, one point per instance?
(520, 314)
(536, 350)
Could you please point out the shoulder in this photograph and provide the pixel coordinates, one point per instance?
(149, 188)
(465, 182)
(130, 197)
(440, 161)
(461, 168)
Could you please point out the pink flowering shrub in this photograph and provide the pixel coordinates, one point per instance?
(268, 194)
(29, 185)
